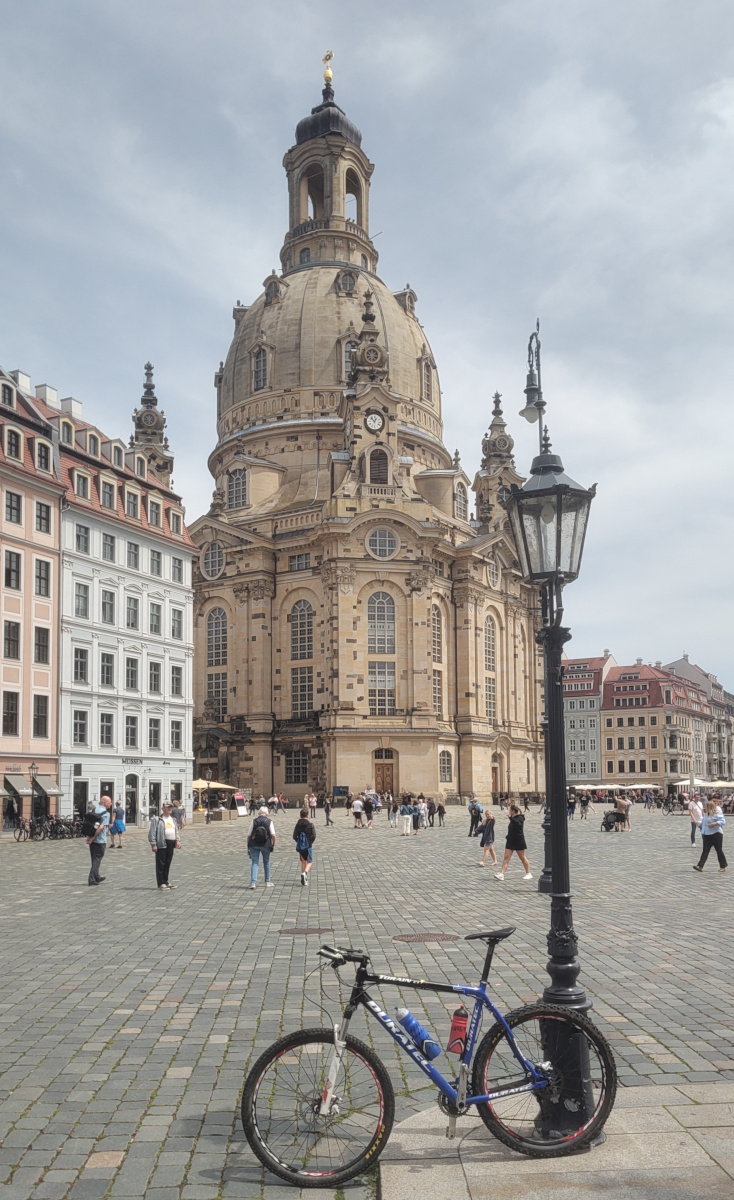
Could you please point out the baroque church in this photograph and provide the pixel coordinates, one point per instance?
(354, 624)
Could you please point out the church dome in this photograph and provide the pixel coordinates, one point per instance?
(327, 118)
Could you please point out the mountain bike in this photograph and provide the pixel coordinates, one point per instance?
(318, 1105)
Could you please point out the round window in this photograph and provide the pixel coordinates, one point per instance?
(382, 543)
(349, 282)
(213, 560)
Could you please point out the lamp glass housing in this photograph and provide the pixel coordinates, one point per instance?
(549, 524)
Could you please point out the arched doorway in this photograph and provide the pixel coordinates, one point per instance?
(385, 770)
(131, 799)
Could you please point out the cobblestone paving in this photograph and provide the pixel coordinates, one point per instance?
(128, 1016)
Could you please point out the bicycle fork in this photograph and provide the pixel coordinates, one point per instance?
(340, 1045)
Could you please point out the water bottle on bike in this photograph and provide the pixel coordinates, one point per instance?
(427, 1045)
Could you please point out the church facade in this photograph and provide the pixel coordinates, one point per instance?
(354, 624)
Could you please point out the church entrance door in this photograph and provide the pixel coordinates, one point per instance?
(384, 777)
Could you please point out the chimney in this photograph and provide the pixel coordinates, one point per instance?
(72, 407)
(606, 654)
(685, 658)
(47, 394)
(659, 665)
(638, 662)
(23, 381)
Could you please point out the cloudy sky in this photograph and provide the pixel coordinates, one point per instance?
(568, 160)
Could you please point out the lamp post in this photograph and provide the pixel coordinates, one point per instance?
(33, 774)
(548, 516)
(208, 776)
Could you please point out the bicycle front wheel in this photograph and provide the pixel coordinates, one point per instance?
(281, 1101)
(571, 1111)
(18, 833)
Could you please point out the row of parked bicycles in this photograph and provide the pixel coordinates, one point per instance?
(37, 829)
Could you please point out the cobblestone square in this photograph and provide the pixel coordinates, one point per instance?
(129, 1015)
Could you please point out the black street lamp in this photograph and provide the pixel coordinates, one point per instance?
(208, 776)
(548, 516)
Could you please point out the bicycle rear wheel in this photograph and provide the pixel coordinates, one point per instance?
(571, 1111)
(18, 833)
(280, 1109)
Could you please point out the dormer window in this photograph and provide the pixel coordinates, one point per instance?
(8, 396)
(43, 457)
(108, 495)
(364, 262)
(348, 282)
(13, 444)
(175, 522)
(117, 456)
(261, 368)
(154, 512)
(140, 467)
(131, 504)
(93, 445)
(272, 291)
(81, 486)
(67, 434)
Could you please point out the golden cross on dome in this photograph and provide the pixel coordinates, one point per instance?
(328, 73)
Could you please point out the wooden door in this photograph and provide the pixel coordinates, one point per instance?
(383, 777)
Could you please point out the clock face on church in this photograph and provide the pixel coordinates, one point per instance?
(374, 422)
(372, 355)
(148, 418)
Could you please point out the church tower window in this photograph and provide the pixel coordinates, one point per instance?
(436, 634)
(216, 638)
(490, 643)
(462, 507)
(302, 630)
(445, 772)
(381, 681)
(350, 351)
(237, 488)
(427, 382)
(378, 467)
(261, 368)
(380, 624)
(304, 256)
(301, 691)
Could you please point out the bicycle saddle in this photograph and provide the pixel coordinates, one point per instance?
(492, 935)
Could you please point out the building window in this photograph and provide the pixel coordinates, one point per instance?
(12, 444)
(427, 381)
(378, 467)
(177, 681)
(108, 495)
(11, 639)
(81, 665)
(299, 562)
(304, 256)
(14, 508)
(213, 560)
(40, 716)
(216, 693)
(610, 768)
(132, 613)
(43, 457)
(106, 729)
(380, 624)
(10, 714)
(82, 539)
(237, 488)
(133, 555)
(175, 522)
(117, 456)
(216, 638)
(462, 506)
(436, 634)
(12, 570)
(93, 445)
(131, 674)
(66, 433)
(301, 691)
(610, 743)
(108, 547)
(654, 766)
(154, 512)
(81, 486)
(654, 742)
(643, 766)
(176, 732)
(131, 504)
(177, 624)
(653, 720)
(572, 768)
(131, 733)
(674, 765)
(155, 618)
(80, 719)
(261, 368)
(156, 563)
(296, 766)
(40, 645)
(81, 600)
(7, 396)
(154, 677)
(445, 770)
(493, 572)
(154, 733)
(43, 518)
(302, 630)
(381, 681)
(641, 744)
(382, 543)
(350, 355)
(490, 645)
(490, 699)
(108, 607)
(437, 695)
(107, 670)
(177, 570)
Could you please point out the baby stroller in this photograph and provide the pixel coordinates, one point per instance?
(609, 822)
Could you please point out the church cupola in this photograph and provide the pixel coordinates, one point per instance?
(328, 188)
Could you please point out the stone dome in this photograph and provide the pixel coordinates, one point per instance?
(327, 118)
(305, 318)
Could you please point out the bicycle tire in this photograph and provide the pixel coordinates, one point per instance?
(18, 833)
(280, 1110)
(540, 1124)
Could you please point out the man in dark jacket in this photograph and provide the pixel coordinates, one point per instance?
(304, 835)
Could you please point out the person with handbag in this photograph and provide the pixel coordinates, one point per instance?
(260, 841)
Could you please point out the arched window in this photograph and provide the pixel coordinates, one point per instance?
(378, 466)
(380, 624)
(237, 488)
(436, 634)
(302, 630)
(261, 368)
(272, 291)
(445, 773)
(490, 644)
(213, 560)
(427, 382)
(462, 507)
(350, 351)
(216, 638)
(493, 572)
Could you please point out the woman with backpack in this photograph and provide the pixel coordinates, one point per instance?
(304, 835)
(261, 840)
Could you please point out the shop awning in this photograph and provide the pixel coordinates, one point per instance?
(47, 785)
(3, 794)
(19, 784)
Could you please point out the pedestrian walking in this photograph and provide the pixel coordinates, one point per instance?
(585, 806)
(163, 838)
(431, 813)
(712, 835)
(628, 814)
(422, 812)
(327, 811)
(98, 820)
(117, 816)
(279, 806)
(348, 803)
(475, 816)
(620, 813)
(440, 809)
(304, 835)
(406, 812)
(357, 806)
(486, 841)
(260, 841)
(695, 812)
(515, 843)
(571, 807)
(178, 812)
(394, 811)
(312, 802)
(368, 809)
(416, 818)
